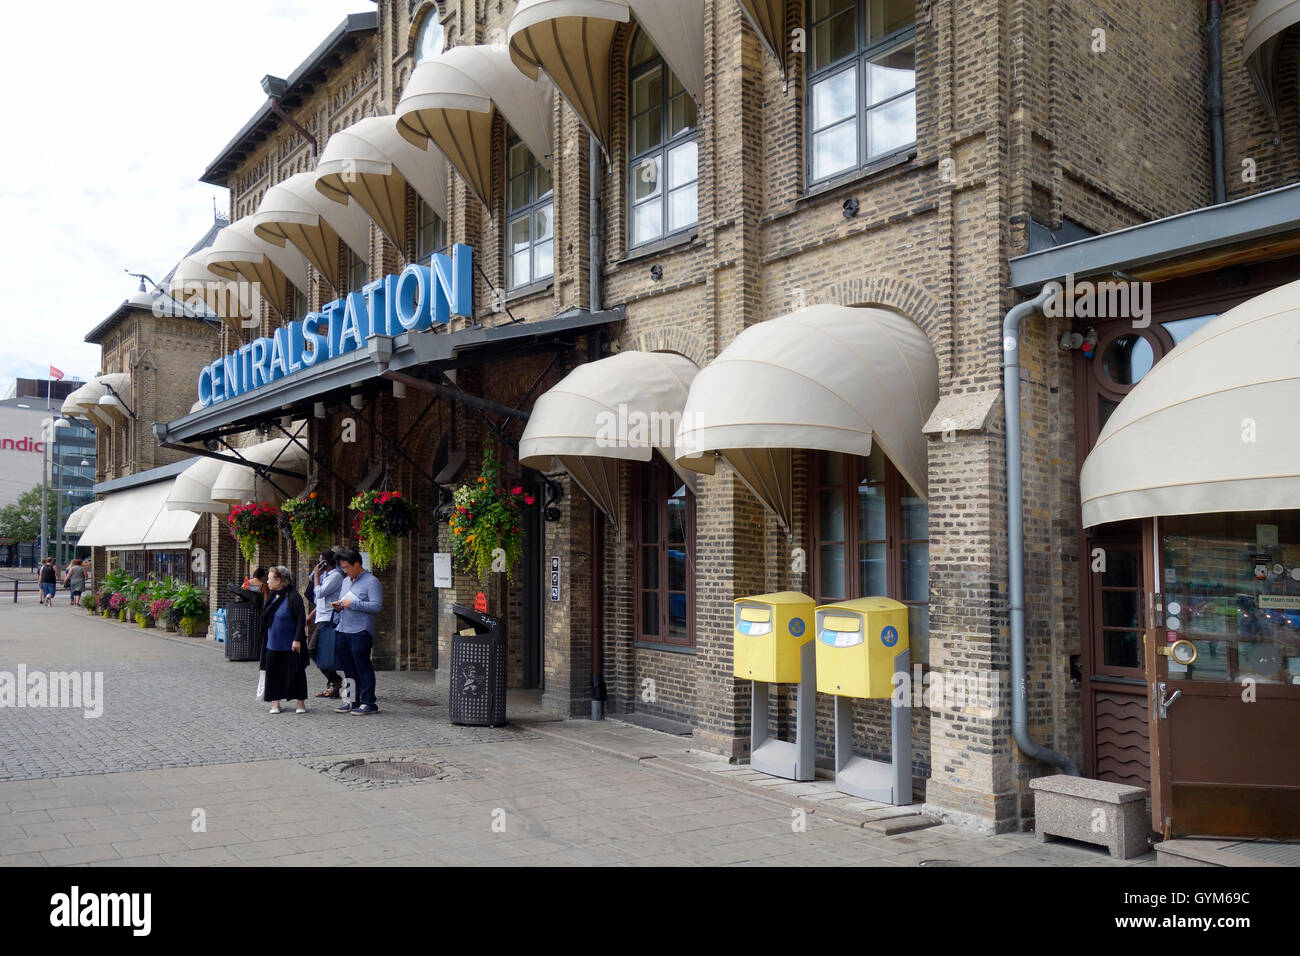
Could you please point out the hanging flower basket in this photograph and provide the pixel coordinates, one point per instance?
(486, 517)
(381, 518)
(310, 522)
(252, 525)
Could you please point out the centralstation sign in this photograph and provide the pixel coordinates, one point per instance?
(415, 300)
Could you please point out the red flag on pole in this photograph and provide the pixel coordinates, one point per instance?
(55, 373)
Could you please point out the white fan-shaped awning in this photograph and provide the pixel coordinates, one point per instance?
(194, 284)
(238, 252)
(192, 490)
(295, 211)
(572, 41)
(135, 519)
(240, 484)
(826, 377)
(453, 99)
(1268, 21)
(620, 408)
(79, 520)
(84, 401)
(1212, 427)
(373, 163)
(767, 17)
(72, 405)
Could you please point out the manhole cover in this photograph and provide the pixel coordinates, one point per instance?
(389, 770)
(938, 863)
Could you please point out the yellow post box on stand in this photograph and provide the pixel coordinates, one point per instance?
(773, 644)
(861, 644)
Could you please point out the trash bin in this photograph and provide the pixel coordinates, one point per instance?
(241, 625)
(478, 670)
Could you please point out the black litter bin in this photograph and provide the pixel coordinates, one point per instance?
(242, 617)
(478, 670)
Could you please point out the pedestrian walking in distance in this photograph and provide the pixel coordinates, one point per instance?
(361, 601)
(49, 582)
(75, 579)
(282, 633)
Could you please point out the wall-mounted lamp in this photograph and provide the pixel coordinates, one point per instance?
(318, 410)
(656, 272)
(357, 401)
(399, 390)
(110, 399)
(851, 207)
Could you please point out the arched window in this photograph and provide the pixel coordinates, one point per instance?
(358, 272)
(861, 83)
(530, 212)
(429, 42)
(663, 128)
(430, 236)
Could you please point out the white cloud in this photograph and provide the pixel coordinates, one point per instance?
(111, 117)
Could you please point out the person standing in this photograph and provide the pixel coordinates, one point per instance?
(328, 581)
(49, 582)
(75, 579)
(283, 635)
(361, 601)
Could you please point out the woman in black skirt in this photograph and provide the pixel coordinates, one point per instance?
(282, 633)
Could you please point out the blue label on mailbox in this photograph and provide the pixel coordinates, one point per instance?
(796, 626)
(889, 636)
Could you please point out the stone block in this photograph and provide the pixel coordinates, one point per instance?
(1112, 815)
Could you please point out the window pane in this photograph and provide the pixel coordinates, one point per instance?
(1123, 568)
(650, 567)
(645, 178)
(683, 207)
(916, 516)
(518, 196)
(831, 527)
(876, 464)
(677, 522)
(650, 520)
(519, 272)
(1120, 609)
(918, 637)
(683, 164)
(519, 234)
(835, 98)
(891, 74)
(647, 131)
(916, 571)
(682, 115)
(544, 183)
(647, 221)
(1121, 648)
(1104, 408)
(835, 150)
(835, 38)
(642, 49)
(873, 571)
(677, 617)
(1181, 328)
(821, 9)
(647, 90)
(544, 226)
(518, 159)
(1128, 359)
(832, 571)
(892, 126)
(871, 512)
(831, 466)
(886, 16)
(676, 569)
(650, 613)
(543, 259)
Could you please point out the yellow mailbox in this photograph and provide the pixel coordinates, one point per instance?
(857, 642)
(770, 631)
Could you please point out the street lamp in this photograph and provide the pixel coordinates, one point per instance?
(47, 432)
(110, 399)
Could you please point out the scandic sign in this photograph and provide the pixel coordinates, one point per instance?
(22, 444)
(417, 299)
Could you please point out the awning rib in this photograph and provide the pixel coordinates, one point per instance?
(371, 162)
(453, 98)
(572, 41)
(767, 17)
(1209, 429)
(621, 408)
(1268, 21)
(827, 377)
(238, 252)
(295, 211)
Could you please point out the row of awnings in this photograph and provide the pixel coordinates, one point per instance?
(444, 117)
(161, 515)
(83, 402)
(830, 378)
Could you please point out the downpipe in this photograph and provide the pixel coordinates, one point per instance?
(1016, 532)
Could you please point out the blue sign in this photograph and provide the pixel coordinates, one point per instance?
(889, 636)
(417, 299)
(796, 626)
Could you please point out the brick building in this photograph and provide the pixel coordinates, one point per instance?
(860, 175)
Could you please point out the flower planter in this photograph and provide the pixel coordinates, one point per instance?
(169, 626)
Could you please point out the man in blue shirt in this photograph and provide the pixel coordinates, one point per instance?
(355, 611)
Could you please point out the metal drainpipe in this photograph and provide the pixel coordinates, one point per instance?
(1016, 532)
(594, 302)
(1214, 35)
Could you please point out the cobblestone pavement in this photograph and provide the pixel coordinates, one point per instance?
(186, 768)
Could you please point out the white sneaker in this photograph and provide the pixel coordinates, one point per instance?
(301, 710)
(276, 710)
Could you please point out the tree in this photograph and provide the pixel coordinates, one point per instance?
(21, 521)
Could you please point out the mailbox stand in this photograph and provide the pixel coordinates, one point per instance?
(782, 758)
(874, 779)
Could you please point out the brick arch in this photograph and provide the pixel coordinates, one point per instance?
(417, 23)
(669, 340)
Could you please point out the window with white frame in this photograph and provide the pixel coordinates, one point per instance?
(530, 217)
(663, 148)
(430, 40)
(861, 83)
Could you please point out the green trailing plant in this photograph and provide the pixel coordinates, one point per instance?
(381, 518)
(253, 525)
(310, 522)
(486, 522)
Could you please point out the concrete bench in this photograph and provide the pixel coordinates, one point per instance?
(1112, 815)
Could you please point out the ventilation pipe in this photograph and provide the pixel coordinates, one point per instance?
(1016, 532)
(1214, 37)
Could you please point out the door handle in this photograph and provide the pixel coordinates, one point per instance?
(1166, 701)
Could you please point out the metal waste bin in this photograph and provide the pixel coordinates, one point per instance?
(478, 670)
(241, 625)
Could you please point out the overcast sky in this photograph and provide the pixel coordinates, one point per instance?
(111, 113)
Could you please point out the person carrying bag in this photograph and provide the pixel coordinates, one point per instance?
(327, 585)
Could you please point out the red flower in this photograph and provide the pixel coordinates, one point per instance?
(529, 499)
(517, 491)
